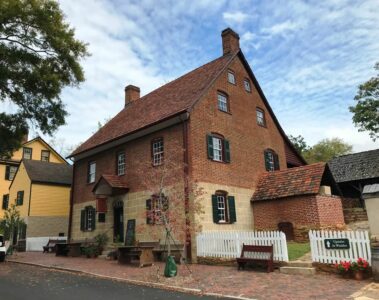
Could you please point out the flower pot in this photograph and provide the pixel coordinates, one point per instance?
(358, 275)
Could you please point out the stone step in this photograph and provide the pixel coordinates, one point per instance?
(299, 264)
(297, 270)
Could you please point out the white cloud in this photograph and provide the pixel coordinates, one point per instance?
(235, 17)
(283, 28)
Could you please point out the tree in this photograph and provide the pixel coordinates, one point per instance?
(299, 143)
(39, 56)
(366, 111)
(11, 224)
(327, 149)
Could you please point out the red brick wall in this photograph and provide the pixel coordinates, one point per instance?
(138, 163)
(247, 139)
(304, 212)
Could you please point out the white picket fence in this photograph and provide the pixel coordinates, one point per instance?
(228, 244)
(359, 246)
(37, 243)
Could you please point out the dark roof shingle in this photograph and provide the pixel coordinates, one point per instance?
(47, 172)
(172, 98)
(297, 181)
(356, 166)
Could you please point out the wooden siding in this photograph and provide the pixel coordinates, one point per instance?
(37, 146)
(21, 182)
(50, 200)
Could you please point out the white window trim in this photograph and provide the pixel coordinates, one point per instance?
(231, 77)
(222, 102)
(158, 151)
(121, 163)
(217, 148)
(271, 161)
(260, 117)
(247, 85)
(91, 172)
(221, 199)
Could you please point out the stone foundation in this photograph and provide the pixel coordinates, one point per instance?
(46, 226)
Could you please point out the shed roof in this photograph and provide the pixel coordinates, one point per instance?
(356, 166)
(304, 180)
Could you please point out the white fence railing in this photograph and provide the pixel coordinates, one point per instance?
(37, 243)
(359, 246)
(228, 244)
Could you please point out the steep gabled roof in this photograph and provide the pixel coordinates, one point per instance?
(38, 138)
(169, 100)
(356, 166)
(47, 172)
(305, 180)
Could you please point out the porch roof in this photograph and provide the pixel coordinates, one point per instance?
(110, 185)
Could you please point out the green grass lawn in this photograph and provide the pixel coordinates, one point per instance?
(297, 250)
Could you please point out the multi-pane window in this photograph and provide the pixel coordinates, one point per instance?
(271, 160)
(157, 151)
(91, 172)
(5, 201)
(218, 148)
(121, 166)
(20, 198)
(10, 172)
(224, 208)
(222, 100)
(157, 209)
(27, 153)
(231, 77)
(221, 206)
(88, 219)
(247, 86)
(261, 117)
(45, 155)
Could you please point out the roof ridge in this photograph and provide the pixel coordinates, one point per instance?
(372, 150)
(296, 168)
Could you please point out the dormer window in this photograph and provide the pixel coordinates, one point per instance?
(27, 153)
(231, 77)
(247, 85)
(222, 100)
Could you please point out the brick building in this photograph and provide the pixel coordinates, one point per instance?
(215, 127)
(297, 200)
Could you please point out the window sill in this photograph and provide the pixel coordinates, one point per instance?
(223, 223)
(260, 125)
(226, 112)
(218, 161)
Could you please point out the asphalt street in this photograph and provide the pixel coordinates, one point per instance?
(20, 282)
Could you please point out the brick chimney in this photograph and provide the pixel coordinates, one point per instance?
(25, 138)
(230, 41)
(132, 93)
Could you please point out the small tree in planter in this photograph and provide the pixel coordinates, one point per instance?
(10, 224)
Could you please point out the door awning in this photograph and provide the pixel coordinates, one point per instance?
(109, 185)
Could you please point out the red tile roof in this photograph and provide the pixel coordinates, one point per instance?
(171, 99)
(114, 181)
(303, 180)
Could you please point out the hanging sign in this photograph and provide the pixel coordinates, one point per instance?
(337, 244)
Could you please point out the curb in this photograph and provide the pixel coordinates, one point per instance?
(135, 282)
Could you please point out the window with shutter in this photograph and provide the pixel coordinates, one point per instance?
(155, 208)
(223, 208)
(82, 220)
(20, 198)
(10, 172)
(271, 160)
(218, 148)
(232, 209)
(88, 219)
(5, 201)
(149, 217)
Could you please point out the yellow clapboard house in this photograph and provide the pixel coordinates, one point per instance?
(35, 149)
(41, 191)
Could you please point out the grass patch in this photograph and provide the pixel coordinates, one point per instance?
(297, 250)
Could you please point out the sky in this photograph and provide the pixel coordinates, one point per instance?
(308, 56)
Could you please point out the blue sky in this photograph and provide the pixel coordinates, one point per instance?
(308, 56)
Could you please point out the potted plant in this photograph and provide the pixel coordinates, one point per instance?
(91, 251)
(101, 241)
(359, 267)
(343, 268)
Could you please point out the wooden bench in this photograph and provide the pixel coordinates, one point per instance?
(51, 245)
(143, 252)
(74, 248)
(252, 253)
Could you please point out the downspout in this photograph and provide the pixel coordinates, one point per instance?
(71, 204)
(186, 189)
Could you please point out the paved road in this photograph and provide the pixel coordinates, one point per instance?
(20, 282)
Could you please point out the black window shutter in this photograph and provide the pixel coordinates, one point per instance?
(267, 160)
(276, 162)
(210, 146)
(82, 220)
(232, 209)
(93, 225)
(216, 217)
(149, 219)
(7, 172)
(227, 151)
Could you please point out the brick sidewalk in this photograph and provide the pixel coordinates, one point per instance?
(212, 279)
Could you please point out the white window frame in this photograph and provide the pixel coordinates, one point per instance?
(121, 163)
(271, 161)
(222, 102)
(158, 152)
(92, 172)
(26, 152)
(231, 77)
(221, 208)
(217, 148)
(247, 85)
(48, 155)
(88, 220)
(12, 172)
(260, 117)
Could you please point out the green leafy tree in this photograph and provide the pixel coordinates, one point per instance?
(11, 223)
(39, 56)
(327, 149)
(299, 143)
(366, 111)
